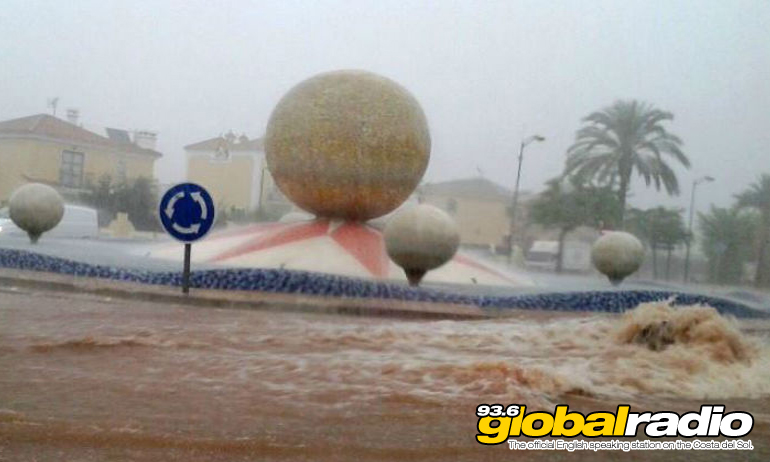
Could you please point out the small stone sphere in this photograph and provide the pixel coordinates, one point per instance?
(36, 208)
(421, 238)
(347, 144)
(617, 255)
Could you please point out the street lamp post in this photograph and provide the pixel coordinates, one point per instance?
(695, 183)
(524, 143)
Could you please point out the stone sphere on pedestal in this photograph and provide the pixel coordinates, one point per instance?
(617, 255)
(347, 144)
(421, 238)
(36, 208)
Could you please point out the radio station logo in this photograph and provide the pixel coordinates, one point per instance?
(497, 423)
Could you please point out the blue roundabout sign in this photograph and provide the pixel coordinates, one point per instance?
(187, 212)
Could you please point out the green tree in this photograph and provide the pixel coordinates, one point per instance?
(758, 198)
(620, 139)
(140, 200)
(137, 198)
(567, 203)
(727, 242)
(101, 196)
(660, 228)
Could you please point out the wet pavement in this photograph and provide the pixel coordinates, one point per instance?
(93, 378)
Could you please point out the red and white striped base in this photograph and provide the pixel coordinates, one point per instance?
(329, 246)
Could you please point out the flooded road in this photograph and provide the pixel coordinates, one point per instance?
(90, 378)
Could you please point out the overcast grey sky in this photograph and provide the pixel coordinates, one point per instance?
(486, 73)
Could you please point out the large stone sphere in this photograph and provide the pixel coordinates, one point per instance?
(36, 208)
(347, 144)
(421, 238)
(617, 255)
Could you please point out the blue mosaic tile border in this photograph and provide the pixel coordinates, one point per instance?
(300, 282)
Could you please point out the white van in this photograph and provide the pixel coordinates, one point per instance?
(77, 222)
(544, 254)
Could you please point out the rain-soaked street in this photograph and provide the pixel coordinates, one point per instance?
(92, 378)
(343, 230)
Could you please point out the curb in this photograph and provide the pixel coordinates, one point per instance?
(267, 301)
(320, 292)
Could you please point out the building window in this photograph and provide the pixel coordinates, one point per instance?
(71, 171)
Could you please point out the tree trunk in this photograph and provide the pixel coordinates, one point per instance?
(625, 178)
(762, 275)
(622, 192)
(654, 246)
(668, 263)
(718, 269)
(560, 252)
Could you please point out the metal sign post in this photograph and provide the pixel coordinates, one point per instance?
(187, 213)
(186, 270)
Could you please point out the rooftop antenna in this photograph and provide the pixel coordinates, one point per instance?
(52, 103)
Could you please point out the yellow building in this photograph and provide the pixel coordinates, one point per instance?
(42, 148)
(479, 207)
(233, 169)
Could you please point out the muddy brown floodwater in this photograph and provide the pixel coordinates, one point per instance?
(88, 378)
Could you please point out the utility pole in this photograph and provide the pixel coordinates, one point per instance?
(695, 183)
(524, 143)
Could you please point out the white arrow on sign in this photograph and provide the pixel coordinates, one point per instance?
(196, 196)
(186, 230)
(170, 207)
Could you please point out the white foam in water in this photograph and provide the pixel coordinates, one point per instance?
(703, 355)
(655, 350)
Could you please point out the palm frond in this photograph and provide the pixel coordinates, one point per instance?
(628, 135)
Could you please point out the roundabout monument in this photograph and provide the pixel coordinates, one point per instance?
(348, 147)
(347, 144)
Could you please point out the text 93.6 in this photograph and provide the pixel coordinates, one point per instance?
(497, 410)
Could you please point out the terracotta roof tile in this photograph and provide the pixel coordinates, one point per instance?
(52, 127)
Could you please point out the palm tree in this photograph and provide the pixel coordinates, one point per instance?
(624, 137)
(670, 232)
(567, 204)
(727, 237)
(758, 197)
(661, 228)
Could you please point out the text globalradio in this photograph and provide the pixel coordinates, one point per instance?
(497, 423)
